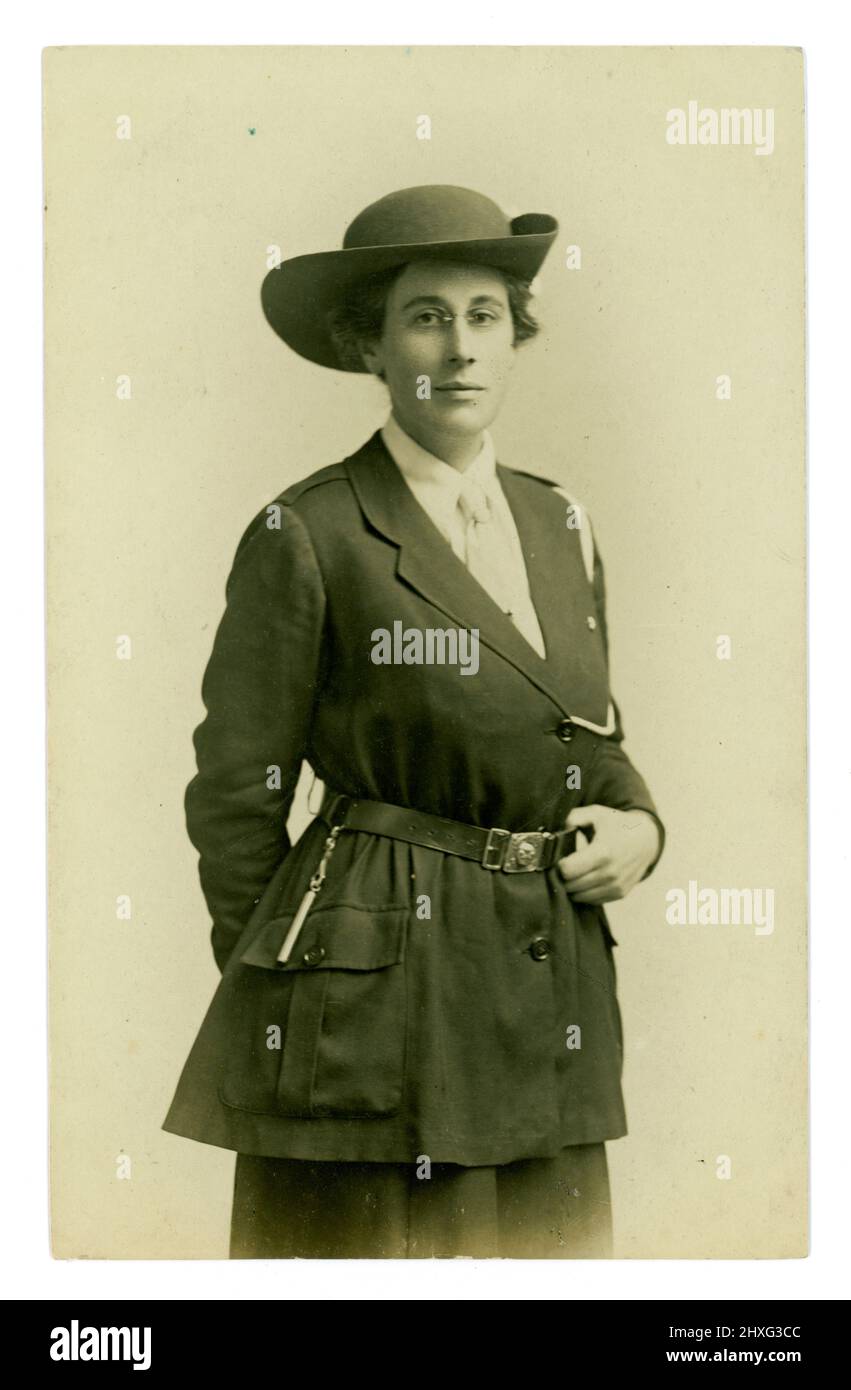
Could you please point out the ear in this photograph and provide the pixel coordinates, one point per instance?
(371, 354)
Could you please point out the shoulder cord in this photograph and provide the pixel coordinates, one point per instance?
(586, 536)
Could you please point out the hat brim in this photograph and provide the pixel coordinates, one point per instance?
(298, 295)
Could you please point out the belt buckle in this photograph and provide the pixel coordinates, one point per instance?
(495, 848)
(525, 851)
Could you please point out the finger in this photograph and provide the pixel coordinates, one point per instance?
(581, 861)
(591, 882)
(582, 815)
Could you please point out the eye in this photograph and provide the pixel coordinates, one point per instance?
(428, 317)
(484, 316)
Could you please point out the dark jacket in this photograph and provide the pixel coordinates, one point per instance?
(428, 1026)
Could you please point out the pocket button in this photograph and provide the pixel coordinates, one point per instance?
(314, 955)
(540, 948)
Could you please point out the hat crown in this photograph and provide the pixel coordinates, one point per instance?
(427, 213)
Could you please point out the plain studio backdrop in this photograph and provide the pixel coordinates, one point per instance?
(691, 269)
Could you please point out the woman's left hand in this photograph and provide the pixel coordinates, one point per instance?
(624, 846)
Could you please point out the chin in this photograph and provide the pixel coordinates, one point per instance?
(470, 416)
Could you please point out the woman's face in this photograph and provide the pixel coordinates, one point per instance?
(446, 349)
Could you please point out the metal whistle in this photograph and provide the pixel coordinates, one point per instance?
(314, 888)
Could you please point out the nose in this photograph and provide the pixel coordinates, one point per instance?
(459, 341)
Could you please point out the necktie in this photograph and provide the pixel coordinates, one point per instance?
(484, 551)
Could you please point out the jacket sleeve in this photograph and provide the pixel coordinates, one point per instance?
(616, 782)
(259, 689)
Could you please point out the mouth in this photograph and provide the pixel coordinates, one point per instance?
(459, 386)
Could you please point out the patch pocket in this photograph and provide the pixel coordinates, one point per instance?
(339, 1005)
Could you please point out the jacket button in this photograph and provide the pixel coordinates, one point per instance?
(591, 621)
(314, 955)
(565, 730)
(540, 948)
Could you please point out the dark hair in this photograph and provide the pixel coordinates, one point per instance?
(360, 313)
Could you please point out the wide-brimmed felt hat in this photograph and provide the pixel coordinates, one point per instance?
(429, 222)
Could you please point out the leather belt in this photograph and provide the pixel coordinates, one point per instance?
(518, 852)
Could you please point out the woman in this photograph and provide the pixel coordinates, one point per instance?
(415, 1047)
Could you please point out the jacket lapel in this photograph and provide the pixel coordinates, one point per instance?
(557, 581)
(428, 564)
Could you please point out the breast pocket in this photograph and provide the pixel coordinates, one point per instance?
(323, 1034)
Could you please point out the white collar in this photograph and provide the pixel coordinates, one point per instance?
(432, 474)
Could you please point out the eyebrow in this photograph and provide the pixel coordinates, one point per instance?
(438, 299)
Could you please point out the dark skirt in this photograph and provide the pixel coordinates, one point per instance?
(536, 1208)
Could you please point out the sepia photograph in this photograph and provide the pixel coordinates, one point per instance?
(426, 561)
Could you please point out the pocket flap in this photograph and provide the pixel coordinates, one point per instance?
(340, 936)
